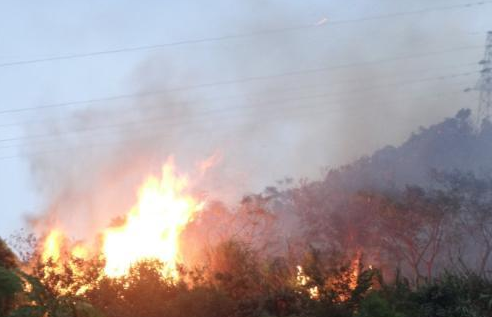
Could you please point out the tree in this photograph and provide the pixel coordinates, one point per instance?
(472, 199)
(236, 270)
(337, 220)
(7, 257)
(10, 285)
(413, 227)
(143, 292)
(36, 301)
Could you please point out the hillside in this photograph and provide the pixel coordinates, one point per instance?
(453, 144)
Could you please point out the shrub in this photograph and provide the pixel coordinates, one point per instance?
(375, 305)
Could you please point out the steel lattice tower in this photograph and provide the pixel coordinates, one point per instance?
(484, 85)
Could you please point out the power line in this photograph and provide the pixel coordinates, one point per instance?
(242, 35)
(302, 98)
(269, 91)
(213, 111)
(240, 80)
(153, 135)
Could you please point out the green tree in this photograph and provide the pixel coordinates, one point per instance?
(10, 286)
(7, 257)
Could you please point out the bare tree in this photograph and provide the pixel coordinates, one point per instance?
(472, 199)
(413, 228)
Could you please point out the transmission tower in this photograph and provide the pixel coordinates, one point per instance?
(484, 85)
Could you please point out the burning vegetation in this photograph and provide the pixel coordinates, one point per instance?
(150, 231)
(321, 248)
(274, 88)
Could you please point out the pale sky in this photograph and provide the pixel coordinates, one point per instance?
(358, 121)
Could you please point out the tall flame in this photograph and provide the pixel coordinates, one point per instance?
(52, 245)
(152, 227)
(151, 231)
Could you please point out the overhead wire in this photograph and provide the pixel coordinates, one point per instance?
(243, 35)
(239, 80)
(237, 96)
(161, 136)
(240, 107)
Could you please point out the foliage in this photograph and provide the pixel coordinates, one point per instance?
(200, 302)
(240, 283)
(67, 277)
(374, 305)
(453, 296)
(439, 240)
(25, 244)
(37, 301)
(10, 285)
(7, 257)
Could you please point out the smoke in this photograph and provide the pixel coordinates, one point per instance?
(90, 167)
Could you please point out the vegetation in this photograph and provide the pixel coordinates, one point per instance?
(266, 288)
(341, 247)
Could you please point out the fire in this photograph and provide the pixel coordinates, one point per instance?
(151, 231)
(303, 279)
(351, 278)
(355, 270)
(80, 252)
(152, 227)
(51, 247)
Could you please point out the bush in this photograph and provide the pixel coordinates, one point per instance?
(10, 285)
(200, 302)
(374, 305)
(455, 296)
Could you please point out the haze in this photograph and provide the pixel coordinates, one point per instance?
(399, 72)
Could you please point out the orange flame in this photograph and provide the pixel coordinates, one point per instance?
(80, 252)
(52, 245)
(152, 227)
(303, 279)
(355, 270)
(151, 231)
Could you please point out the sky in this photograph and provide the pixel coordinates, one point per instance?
(288, 103)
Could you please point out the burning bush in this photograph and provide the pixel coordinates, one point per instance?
(137, 266)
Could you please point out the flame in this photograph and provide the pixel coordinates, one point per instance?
(152, 227)
(51, 247)
(151, 231)
(303, 279)
(80, 252)
(352, 279)
(355, 270)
